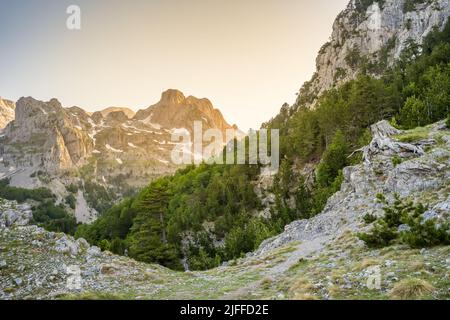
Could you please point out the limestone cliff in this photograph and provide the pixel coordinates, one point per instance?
(6, 112)
(44, 135)
(371, 35)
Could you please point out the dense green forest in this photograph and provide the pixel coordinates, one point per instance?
(206, 214)
(152, 226)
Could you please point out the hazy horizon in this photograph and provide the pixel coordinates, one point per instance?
(247, 57)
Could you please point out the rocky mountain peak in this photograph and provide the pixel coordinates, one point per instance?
(117, 116)
(27, 107)
(45, 135)
(371, 35)
(172, 96)
(174, 110)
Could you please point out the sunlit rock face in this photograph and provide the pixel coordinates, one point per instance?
(378, 33)
(6, 112)
(115, 148)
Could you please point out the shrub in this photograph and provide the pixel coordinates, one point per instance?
(71, 201)
(380, 236)
(396, 160)
(381, 198)
(418, 232)
(425, 233)
(72, 188)
(370, 218)
(411, 288)
(414, 113)
(353, 58)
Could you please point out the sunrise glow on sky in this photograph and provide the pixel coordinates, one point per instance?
(247, 56)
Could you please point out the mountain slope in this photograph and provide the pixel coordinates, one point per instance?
(209, 215)
(371, 36)
(318, 258)
(331, 193)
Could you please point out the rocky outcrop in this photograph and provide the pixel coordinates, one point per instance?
(13, 214)
(417, 176)
(6, 112)
(382, 143)
(44, 135)
(371, 31)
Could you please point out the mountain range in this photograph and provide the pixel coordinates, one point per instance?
(361, 195)
(46, 144)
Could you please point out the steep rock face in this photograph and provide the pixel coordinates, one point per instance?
(44, 134)
(6, 112)
(174, 110)
(378, 33)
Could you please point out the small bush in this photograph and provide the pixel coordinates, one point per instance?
(418, 232)
(425, 233)
(396, 160)
(381, 198)
(71, 201)
(380, 236)
(412, 288)
(72, 188)
(370, 218)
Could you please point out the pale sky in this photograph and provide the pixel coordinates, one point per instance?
(247, 56)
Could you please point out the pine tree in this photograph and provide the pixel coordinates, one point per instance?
(148, 239)
(333, 160)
